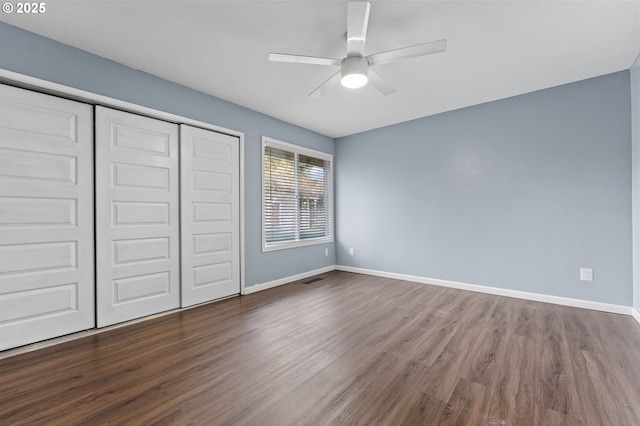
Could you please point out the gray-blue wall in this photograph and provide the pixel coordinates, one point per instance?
(635, 120)
(32, 55)
(517, 194)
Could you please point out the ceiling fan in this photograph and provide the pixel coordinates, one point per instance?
(355, 69)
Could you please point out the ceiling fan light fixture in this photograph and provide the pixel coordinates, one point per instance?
(354, 72)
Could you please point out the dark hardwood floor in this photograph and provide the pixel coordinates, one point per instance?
(348, 349)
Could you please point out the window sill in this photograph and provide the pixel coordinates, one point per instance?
(296, 244)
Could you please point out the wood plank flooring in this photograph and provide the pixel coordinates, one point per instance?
(348, 349)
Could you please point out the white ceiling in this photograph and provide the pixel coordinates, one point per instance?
(496, 49)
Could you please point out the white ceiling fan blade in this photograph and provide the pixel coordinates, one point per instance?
(380, 83)
(407, 52)
(357, 22)
(332, 81)
(300, 59)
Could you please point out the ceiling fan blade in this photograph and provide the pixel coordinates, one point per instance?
(332, 81)
(357, 22)
(380, 83)
(299, 59)
(407, 52)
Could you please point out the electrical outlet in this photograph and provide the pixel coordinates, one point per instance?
(586, 274)
(351, 251)
(326, 252)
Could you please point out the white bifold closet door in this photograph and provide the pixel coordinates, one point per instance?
(210, 215)
(137, 216)
(46, 217)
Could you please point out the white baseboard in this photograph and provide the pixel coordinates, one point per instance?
(287, 280)
(557, 300)
(636, 314)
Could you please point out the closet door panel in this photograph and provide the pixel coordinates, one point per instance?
(137, 196)
(210, 218)
(46, 217)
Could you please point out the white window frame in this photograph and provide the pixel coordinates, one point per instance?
(274, 143)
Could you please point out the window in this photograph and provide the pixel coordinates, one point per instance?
(297, 196)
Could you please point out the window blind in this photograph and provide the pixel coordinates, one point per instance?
(297, 196)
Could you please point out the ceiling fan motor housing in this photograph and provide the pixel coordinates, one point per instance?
(354, 72)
